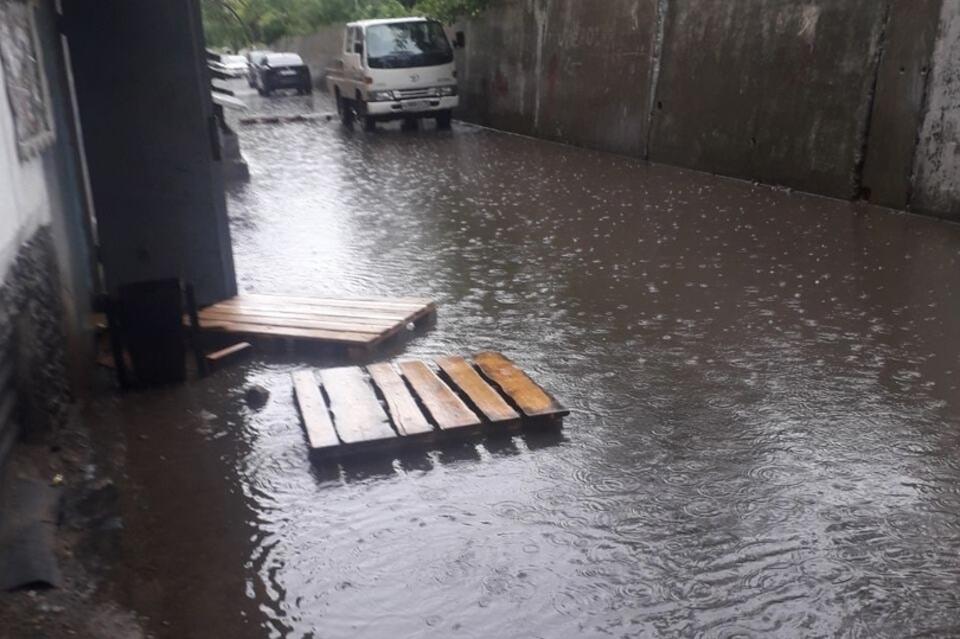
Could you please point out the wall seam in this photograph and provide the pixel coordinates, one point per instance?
(655, 62)
(864, 136)
(541, 17)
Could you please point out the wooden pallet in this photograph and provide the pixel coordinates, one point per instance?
(346, 411)
(356, 323)
(270, 118)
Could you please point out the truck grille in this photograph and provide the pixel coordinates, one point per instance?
(407, 94)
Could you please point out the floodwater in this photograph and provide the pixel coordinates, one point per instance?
(765, 427)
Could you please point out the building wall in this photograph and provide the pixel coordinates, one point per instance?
(36, 197)
(24, 191)
(936, 187)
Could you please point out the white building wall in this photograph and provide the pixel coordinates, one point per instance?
(24, 192)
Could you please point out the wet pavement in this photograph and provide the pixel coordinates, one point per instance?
(765, 437)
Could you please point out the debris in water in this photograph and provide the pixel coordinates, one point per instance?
(256, 396)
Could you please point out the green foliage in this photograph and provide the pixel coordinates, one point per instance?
(241, 23)
(450, 10)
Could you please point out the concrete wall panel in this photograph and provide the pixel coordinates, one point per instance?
(898, 100)
(593, 73)
(562, 70)
(936, 187)
(773, 90)
(497, 70)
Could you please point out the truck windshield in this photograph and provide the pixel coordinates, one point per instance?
(402, 45)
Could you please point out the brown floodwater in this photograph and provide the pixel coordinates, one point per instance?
(765, 427)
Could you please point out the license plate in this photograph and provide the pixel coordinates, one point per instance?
(416, 105)
(288, 72)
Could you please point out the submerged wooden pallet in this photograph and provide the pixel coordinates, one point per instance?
(355, 323)
(270, 118)
(385, 406)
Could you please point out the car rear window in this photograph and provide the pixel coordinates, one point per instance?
(284, 60)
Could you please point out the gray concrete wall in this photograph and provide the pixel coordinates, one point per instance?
(826, 96)
(846, 98)
(318, 50)
(528, 67)
(771, 90)
(899, 100)
(936, 185)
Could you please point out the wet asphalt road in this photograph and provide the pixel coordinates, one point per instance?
(765, 437)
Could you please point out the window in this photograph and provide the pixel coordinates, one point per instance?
(401, 45)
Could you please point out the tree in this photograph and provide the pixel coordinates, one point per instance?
(242, 23)
(450, 10)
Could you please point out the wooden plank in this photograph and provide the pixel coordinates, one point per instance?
(318, 323)
(385, 304)
(313, 312)
(403, 409)
(218, 357)
(342, 337)
(313, 411)
(483, 396)
(532, 400)
(358, 416)
(446, 408)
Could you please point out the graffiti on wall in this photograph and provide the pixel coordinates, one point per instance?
(24, 77)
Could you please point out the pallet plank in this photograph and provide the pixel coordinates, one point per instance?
(483, 396)
(231, 352)
(286, 331)
(318, 323)
(532, 400)
(313, 411)
(447, 410)
(407, 416)
(317, 312)
(386, 304)
(358, 416)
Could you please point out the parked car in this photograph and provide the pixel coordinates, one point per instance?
(254, 58)
(234, 65)
(277, 71)
(393, 69)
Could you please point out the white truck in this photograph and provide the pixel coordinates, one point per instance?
(395, 69)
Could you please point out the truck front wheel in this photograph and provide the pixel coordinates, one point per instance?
(344, 110)
(443, 119)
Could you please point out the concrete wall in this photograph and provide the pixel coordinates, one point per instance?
(318, 50)
(771, 90)
(936, 187)
(826, 96)
(846, 98)
(899, 101)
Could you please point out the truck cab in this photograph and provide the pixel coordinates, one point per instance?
(394, 69)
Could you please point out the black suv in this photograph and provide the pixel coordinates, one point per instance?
(275, 71)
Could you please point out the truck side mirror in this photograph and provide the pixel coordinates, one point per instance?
(358, 48)
(459, 40)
